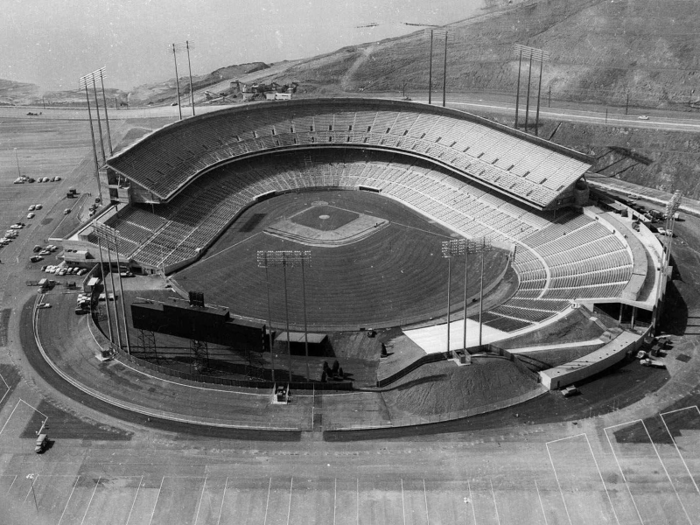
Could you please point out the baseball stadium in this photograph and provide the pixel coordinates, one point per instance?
(299, 291)
(444, 234)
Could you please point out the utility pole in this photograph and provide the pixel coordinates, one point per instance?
(517, 90)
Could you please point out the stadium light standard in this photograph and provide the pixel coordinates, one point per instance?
(177, 81)
(530, 53)
(111, 238)
(290, 258)
(263, 263)
(176, 49)
(483, 248)
(450, 249)
(83, 83)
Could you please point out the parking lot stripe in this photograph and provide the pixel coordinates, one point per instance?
(128, 518)
(666, 472)
(90, 501)
(223, 498)
(471, 500)
(10, 487)
(601, 479)
(541, 504)
(605, 431)
(75, 483)
(8, 419)
(425, 497)
(498, 519)
(357, 500)
(156, 503)
(289, 510)
(6, 386)
(676, 444)
(556, 477)
(335, 497)
(199, 503)
(403, 504)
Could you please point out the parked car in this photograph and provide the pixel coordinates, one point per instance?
(66, 211)
(643, 117)
(38, 206)
(43, 305)
(36, 258)
(30, 215)
(32, 208)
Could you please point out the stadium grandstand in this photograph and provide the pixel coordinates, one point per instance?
(171, 201)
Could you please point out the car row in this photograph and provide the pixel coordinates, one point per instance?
(22, 180)
(63, 270)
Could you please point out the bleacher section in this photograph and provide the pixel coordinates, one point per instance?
(557, 259)
(525, 168)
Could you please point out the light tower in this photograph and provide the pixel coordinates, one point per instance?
(285, 259)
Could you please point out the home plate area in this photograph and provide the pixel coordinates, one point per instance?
(327, 226)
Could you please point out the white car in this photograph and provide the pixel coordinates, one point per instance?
(664, 231)
(30, 215)
(643, 117)
(38, 206)
(32, 208)
(43, 305)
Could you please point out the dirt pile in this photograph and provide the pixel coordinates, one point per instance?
(443, 387)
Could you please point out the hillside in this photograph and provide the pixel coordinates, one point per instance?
(601, 51)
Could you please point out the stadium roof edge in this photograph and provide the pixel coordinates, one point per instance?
(165, 194)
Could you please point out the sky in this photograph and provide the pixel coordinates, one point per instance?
(52, 43)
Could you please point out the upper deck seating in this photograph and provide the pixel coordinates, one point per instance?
(168, 159)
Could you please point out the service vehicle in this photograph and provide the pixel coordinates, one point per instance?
(569, 391)
(653, 363)
(41, 444)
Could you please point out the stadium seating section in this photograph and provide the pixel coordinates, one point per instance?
(558, 258)
(166, 161)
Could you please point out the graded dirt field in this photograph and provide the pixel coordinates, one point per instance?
(392, 277)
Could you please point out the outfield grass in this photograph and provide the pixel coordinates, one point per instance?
(393, 277)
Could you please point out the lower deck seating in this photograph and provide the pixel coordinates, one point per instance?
(557, 258)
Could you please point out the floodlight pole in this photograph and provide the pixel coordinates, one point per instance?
(444, 74)
(104, 283)
(430, 71)
(104, 100)
(527, 102)
(99, 124)
(286, 307)
(517, 94)
(306, 326)
(189, 65)
(466, 268)
(481, 291)
(121, 291)
(94, 147)
(539, 94)
(449, 285)
(269, 318)
(177, 84)
(114, 292)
